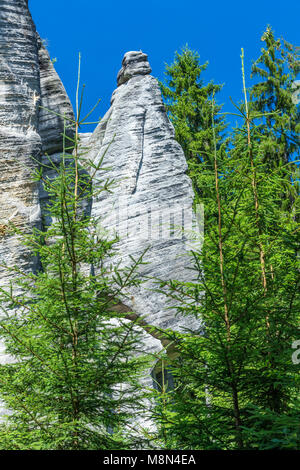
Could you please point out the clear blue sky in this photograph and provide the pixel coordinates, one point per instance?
(104, 30)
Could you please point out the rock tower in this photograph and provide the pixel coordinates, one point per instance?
(153, 196)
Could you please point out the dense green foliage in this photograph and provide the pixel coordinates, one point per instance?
(236, 384)
(73, 382)
(275, 95)
(188, 103)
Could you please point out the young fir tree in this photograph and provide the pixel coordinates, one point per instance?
(73, 382)
(236, 385)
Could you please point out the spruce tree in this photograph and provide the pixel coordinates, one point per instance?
(273, 95)
(73, 382)
(188, 103)
(236, 385)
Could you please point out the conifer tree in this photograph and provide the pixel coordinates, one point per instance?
(188, 103)
(73, 382)
(236, 385)
(277, 69)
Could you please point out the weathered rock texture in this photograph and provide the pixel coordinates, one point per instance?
(27, 82)
(151, 188)
(151, 193)
(134, 63)
(19, 137)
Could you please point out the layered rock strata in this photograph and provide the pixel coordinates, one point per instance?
(152, 199)
(151, 204)
(28, 85)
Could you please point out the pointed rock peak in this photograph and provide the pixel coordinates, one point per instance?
(133, 63)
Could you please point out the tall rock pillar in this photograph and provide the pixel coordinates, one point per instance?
(19, 137)
(150, 206)
(28, 84)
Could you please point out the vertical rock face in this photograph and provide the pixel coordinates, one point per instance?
(150, 206)
(152, 198)
(54, 103)
(152, 191)
(27, 81)
(19, 137)
(28, 84)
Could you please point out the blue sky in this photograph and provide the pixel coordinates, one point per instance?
(104, 30)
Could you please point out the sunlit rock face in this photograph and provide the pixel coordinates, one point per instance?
(19, 136)
(150, 206)
(28, 85)
(152, 191)
(28, 82)
(55, 104)
(134, 63)
(151, 201)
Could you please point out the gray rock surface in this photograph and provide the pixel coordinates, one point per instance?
(151, 193)
(151, 189)
(134, 63)
(54, 103)
(152, 198)
(27, 81)
(19, 136)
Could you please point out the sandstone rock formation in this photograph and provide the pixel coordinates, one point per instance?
(152, 191)
(28, 83)
(19, 136)
(152, 198)
(54, 99)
